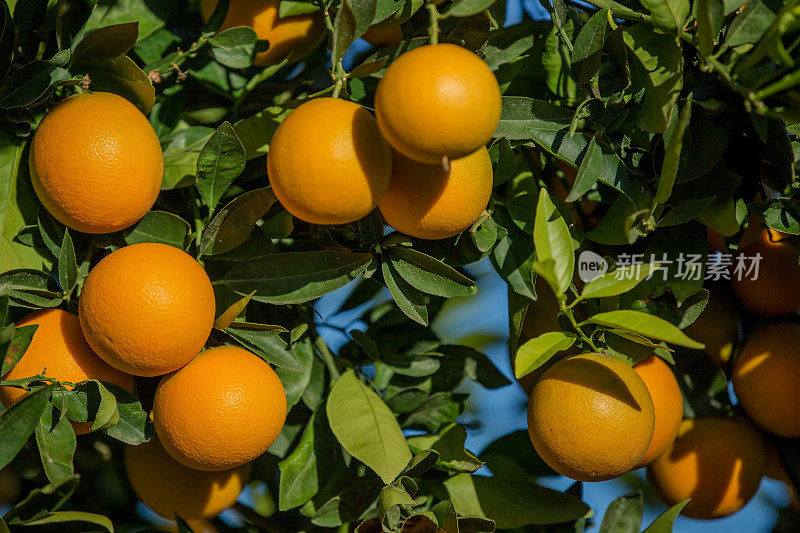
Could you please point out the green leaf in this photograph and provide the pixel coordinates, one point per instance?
(234, 47)
(750, 25)
(267, 345)
(294, 382)
(556, 58)
(107, 42)
(18, 206)
(521, 115)
(659, 70)
(407, 297)
(30, 288)
(122, 76)
(134, 425)
(624, 515)
(56, 441)
(617, 281)
(448, 443)
(295, 277)
(352, 20)
(220, 162)
(256, 131)
(511, 504)
(588, 47)
(645, 324)
(235, 222)
(291, 8)
(160, 227)
(106, 13)
(19, 421)
(709, 24)
(40, 503)
(430, 275)
(366, 428)
(539, 350)
(34, 81)
(553, 242)
(672, 154)
(664, 522)
(75, 517)
(20, 340)
(181, 150)
(668, 15)
(468, 8)
(67, 265)
(303, 471)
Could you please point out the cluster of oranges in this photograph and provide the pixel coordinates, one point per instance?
(592, 417)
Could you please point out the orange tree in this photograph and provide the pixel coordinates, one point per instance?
(649, 130)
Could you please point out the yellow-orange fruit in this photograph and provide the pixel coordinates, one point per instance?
(291, 37)
(438, 101)
(766, 378)
(328, 163)
(384, 36)
(96, 163)
(667, 402)
(590, 417)
(222, 410)
(427, 202)
(775, 290)
(147, 309)
(168, 487)
(718, 325)
(59, 350)
(717, 462)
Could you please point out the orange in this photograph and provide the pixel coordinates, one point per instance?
(766, 378)
(223, 409)
(10, 487)
(147, 309)
(667, 402)
(291, 37)
(328, 163)
(96, 163)
(384, 36)
(717, 462)
(718, 325)
(168, 487)
(776, 289)
(427, 202)
(591, 417)
(751, 235)
(438, 101)
(59, 351)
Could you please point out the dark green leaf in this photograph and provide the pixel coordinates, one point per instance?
(429, 274)
(134, 426)
(161, 227)
(67, 265)
(268, 345)
(467, 8)
(18, 423)
(56, 441)
(107, 42)
(234, 47)
(408, 298)
(33, 81)
(122, 76)
(234, 223)
(668, 15)
(40, 503)
(521, 115)
(624, 515)
(220, 162)
(21, 339)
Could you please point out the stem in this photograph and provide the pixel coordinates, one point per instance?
(567, 310)
(198, 223)
(620, 11)
(263, 76)
(433, 29)
(327, 357)
(790, 80)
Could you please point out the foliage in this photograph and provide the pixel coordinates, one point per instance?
(674, 116)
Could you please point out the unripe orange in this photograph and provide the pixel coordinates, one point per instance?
(384, 36)
(438, 101)
(427, 202)
(328, 163)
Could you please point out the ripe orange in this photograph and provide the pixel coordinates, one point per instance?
(294, 37)
(667, 402)
(59, 350)
(766, 378)
(168, 487)
(147, 309)
(591, 417)
(223, 409)
(776, 290)
(718, 325)
(328, 163)
(426, 202)
(384, 36)
(438, 101)
(717, 462)
(96, 163)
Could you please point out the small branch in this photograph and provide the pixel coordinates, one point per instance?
(433, 29)
(327, 357)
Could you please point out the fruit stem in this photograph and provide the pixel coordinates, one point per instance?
(327, 357)
(433, 30)
(567, 310)
(339, 75)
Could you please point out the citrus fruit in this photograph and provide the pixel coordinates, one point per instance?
(292, 37)
(751, 235)
(96, 163)
(10, 487)
(147, 309)
(168, 487)
(384, 36)
(437, 101)
(718, 325)
(776, 470)
(717, 462)
(427, 202)
(59, 351)
(667, 402)
(223, 409)
(328, 163)
(590, 417)
(776, 289)
(766, 378)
